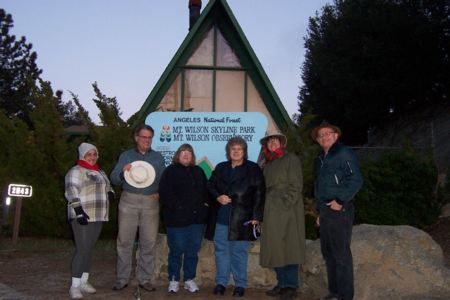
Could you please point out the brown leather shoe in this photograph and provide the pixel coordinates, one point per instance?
(238, 291)
(275, 292)
(147, 286)
(219, 290)
(330, 296)
(118, 286)
(288, 293)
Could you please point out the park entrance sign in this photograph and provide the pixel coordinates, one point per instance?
(207, 133)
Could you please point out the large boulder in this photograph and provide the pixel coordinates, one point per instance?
(206, 269)
(390, 262)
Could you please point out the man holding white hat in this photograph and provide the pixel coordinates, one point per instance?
(138, 171)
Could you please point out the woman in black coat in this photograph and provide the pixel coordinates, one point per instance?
(237, 189)
(184, 197)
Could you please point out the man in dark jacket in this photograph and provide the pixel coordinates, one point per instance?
(338, 179)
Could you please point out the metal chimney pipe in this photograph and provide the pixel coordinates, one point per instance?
(194, 11)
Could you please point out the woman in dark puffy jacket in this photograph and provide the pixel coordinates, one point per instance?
(184, 196)
(237, 189)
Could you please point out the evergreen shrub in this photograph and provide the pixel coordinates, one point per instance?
(399, 189)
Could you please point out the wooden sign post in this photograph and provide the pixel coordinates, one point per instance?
(19, 191)
(17, 215)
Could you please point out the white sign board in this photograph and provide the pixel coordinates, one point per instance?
(20, 190)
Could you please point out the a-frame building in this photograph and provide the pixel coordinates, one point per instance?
(216, 70)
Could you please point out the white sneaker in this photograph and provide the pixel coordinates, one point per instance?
(174, 286)
(87, 288)
(75, 292)
(191, 286)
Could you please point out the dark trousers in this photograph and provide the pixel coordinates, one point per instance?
(85, 238)
(287, 276)
(335, 239)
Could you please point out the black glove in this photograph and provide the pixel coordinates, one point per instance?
(82, 217)
(111, 196)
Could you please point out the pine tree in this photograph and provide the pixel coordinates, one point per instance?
(371, 61)
(18, 71)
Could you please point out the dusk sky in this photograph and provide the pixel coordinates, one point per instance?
(126, 45)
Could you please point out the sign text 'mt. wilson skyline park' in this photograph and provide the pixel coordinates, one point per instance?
(207, 132)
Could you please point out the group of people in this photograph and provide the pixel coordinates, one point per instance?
(239, 203)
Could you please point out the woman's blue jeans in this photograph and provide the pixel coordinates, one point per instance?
(184, 244)
(231, 258)
(287, 276)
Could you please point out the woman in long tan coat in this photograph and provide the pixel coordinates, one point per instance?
(283, 227)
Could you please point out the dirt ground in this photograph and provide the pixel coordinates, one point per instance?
(41, 268)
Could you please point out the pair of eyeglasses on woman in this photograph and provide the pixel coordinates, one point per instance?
(256, 229)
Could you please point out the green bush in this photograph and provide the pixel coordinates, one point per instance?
(44, 214)
(399, 188)
(41, 156)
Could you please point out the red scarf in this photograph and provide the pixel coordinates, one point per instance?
(86, 165)
(272, 155)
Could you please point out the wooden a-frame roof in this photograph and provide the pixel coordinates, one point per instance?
(218, 13)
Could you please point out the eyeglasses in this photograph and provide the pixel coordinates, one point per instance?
(145, 137)
(256, 229)
(325, 134)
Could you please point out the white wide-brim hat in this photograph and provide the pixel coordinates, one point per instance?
(141, 175)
